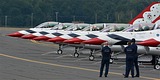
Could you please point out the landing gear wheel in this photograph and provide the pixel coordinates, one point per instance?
(157, 62)
(59, 51)
(91, 57)
(111, 61)
(139, 63)
(76, 55)
(157, 66)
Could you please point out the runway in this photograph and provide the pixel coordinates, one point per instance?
(22, 59)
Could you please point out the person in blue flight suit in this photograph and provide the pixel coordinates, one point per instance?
(134, 46)
(106, 55)
(129, 60)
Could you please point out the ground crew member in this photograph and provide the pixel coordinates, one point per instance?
(134, 46)
(106, 55)
(129, 60)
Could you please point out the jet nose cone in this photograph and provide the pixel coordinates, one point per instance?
(41, 38)
(73, 41)
(16, 34)
(94, 41)
(30, 36)
(56, 39)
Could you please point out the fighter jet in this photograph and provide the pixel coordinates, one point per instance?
(146, 35)
(40, 27)
(56, 28)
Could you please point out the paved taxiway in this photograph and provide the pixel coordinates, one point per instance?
(28, 60)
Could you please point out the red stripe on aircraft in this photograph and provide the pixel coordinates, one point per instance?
(40, 38)
(158, 18)
(95, 41)
(150, 42)
(73, 41)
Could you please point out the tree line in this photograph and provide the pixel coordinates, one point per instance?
(29, 13)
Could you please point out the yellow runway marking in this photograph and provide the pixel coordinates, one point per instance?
(64, 66)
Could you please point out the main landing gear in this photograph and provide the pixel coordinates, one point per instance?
(157, 62)
(91, 57)
(76, 54)
(59, 51)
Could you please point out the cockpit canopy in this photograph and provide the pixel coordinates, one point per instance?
(82, 26)
(142, 27)
(113, 27)
(62, 26)
(47, 25)
(98, 27)
(75, 27)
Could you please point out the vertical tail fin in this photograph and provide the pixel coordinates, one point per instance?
(148, 15)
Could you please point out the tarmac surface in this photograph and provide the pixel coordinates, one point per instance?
(22, 59)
